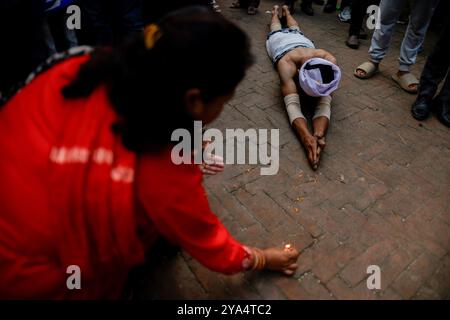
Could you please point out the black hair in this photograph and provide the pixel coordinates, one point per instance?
(146, 87)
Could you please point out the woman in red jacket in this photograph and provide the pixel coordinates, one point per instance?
(87, 176)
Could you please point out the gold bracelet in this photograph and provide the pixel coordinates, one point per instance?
(263, 262)
(255, 259)
(259, 261)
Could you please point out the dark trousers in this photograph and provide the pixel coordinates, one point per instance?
(61, 37)
(248, 3)
(359, 11)
(436, 69)
(23, 41)
(344, 3)
(303, 2)
(111, 21)
(155, 10)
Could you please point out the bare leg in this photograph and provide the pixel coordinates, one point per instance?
(290, 21)
(287, 70)
(275, 24)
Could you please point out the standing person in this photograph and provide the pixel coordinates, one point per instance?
(88, 177)
(301, 65)
(58, 36)
(112, 21)
(331, 5)
(359, 11)
(23, 38)
(154, 10)
(250, 5)
(390, 11)
(305, 6)
(436, 69)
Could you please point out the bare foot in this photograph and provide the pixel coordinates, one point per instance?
(285, 10)
(360, 72)
(276, 10)
(413, 86)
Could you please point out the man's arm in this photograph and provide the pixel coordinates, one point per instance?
(304, 54)
(287, 70)
(320, 53)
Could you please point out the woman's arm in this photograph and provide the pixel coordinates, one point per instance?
(175, 200)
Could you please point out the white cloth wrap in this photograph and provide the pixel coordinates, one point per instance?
(292, 103)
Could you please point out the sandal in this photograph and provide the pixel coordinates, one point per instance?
(236, 5)
(405, 80)
(214, 6)
(368, 67)
(251, 10)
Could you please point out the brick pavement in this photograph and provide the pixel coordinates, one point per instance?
(381, 195)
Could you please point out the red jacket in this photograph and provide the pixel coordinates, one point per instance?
(71, 194)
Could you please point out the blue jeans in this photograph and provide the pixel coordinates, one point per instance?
(390, 11)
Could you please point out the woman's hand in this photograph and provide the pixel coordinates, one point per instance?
(281, 259)
(213, 164)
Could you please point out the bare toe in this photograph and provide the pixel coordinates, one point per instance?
(361, 73)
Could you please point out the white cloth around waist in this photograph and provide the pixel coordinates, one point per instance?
(282, 41)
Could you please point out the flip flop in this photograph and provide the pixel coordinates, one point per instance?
(368, 67)
(405, 80)
(236, 5)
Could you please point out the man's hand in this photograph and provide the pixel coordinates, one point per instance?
(311, 147)
(308, 140)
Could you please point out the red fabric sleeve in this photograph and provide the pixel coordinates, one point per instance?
(174, 198)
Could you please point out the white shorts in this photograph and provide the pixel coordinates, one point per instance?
(280, 42)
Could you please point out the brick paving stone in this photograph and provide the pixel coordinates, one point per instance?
(415, 275)
(356, 270)
(381, 195)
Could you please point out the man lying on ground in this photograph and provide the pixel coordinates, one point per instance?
(302, 68)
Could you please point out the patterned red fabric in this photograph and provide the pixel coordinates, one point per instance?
(69, 195)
